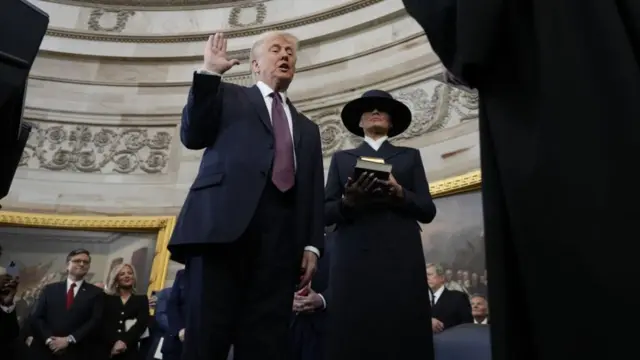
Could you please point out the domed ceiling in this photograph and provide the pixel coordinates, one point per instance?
(154, 3)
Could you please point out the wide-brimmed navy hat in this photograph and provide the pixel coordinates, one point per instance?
(376, 100)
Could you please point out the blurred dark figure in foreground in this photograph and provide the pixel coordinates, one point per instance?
(559, 86)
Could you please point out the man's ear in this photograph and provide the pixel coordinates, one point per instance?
(255, 67)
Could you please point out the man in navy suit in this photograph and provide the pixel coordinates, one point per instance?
(67, 316)
(308, 327)
(251, 226)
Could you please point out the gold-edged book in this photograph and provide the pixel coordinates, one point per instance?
(370, 165)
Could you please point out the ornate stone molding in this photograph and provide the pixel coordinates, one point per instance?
(122, 16)
(93, 149)
(196, 37)
(234, 16)
(156, 5)
(243, 78)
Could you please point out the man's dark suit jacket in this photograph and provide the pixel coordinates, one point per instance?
(51, 318)
(232, 124)
(9, 331)
(176, 318)
(160, 328)
(308, 329)
(452, 308)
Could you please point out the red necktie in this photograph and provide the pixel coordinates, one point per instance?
(70, 295)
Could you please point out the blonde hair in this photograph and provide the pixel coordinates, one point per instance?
(253, 56)
(112, 287)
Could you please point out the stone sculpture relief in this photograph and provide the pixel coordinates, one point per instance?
(434, 105)
(234, 15)
(170, 4)
(93, 149)
(121, 19)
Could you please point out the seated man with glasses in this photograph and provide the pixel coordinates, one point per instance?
(67, 314)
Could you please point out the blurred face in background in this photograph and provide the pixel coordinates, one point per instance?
(479, 307)
(434, 280)
(78, 266)
(126, 279)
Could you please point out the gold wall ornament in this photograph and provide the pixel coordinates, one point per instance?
(122, 17)
(457, 184)
(234, 15)
(161, 225)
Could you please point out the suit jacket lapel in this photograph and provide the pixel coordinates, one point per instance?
(255, 96)
(61, 293)
(295, 123)
(388, 150)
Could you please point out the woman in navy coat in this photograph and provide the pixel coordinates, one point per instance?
(378, 300)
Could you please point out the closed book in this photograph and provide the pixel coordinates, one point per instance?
(375, 166)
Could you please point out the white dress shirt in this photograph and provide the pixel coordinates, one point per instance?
(485, 321)
(434, 296)
(268, 101)
(78, 284)
(375, 144)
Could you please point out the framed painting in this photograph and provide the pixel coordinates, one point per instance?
(38, 244)
(455, 238)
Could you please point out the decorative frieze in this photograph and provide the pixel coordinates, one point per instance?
(98, 149)
(236, 12)
(119, 19)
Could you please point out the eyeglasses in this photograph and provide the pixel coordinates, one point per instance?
(79, 261)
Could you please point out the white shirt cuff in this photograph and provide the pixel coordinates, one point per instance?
(8, 309)
(207, 72)
(313, 249)
(324, 302)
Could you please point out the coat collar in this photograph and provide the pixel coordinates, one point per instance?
(386, 151)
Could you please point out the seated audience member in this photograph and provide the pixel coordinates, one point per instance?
(126, 315)
(160, 330)
(308, 327)
(9, 329)
(480, 309)
(67, 314)
(448, 307)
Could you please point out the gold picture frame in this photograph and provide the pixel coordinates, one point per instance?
(162, 225)
(457, 184)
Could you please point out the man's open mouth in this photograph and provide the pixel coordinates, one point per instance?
(284, 67)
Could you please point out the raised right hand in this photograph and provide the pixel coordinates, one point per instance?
(215, 55)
